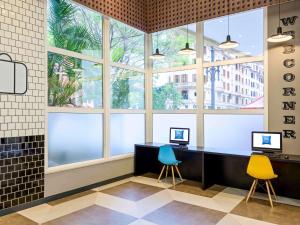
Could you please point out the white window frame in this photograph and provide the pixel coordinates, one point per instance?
(106, 110)
(199, 66)
(148, 111)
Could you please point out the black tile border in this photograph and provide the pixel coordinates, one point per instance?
(61, 195)
(22, 170)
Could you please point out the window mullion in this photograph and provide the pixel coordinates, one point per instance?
(106, 88)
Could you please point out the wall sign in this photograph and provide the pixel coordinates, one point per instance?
(13, 76)
(289, 78)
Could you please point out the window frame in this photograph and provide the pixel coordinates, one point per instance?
(148, 72)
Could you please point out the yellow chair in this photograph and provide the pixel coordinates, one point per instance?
(260, 168)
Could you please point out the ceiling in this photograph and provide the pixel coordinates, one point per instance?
(155, 15)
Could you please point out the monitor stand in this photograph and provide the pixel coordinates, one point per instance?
(180, 147)
(270, 154)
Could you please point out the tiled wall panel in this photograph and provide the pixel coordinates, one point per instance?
(21, 170)
(22, 37)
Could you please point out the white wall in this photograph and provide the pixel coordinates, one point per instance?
(71, 179)
(277, 70)
(22, 37)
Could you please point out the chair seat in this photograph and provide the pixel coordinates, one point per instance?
(172, 163)
(263, 176)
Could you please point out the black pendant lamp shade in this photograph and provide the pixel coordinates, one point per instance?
(187, 50)
(157, 55)
(228, 44)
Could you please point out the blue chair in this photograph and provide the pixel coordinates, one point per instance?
(167, 157)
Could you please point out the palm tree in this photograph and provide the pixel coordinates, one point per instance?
(67, 33)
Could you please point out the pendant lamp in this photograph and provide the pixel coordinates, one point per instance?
(157, 55)
(279, 36)
(228, 44)
(187, 50)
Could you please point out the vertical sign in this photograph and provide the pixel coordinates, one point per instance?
(283, 77)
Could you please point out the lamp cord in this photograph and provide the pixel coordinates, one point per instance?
(228, 17)
(279, 11)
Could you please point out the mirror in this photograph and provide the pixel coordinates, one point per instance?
(13, 76)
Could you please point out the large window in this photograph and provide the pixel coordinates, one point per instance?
(126, 45)
(74, 82)
(74, 137)
(231, 131)
(246, 28)
(127, 89)
(126, 130)
(174, 90)
(74, 28)
(238, 86)
(170, 42)
(163, 122)
(104, 95)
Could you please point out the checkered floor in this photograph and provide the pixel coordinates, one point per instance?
(144, 201)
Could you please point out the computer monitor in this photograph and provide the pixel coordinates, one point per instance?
(180, 136)
(267, 141)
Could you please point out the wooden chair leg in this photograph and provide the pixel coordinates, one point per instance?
(178, 173)
(254, 188)
(173, 176)
(269, 194)
(167, 170)
(162, 170)
(272, 189)
(250, 191)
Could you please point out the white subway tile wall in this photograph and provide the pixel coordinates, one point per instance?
(22, 37)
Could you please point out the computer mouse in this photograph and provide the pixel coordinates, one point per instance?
(286, 156)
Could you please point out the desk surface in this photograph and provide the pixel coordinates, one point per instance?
(224, 151)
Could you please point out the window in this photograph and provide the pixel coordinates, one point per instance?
(74, 137)
(231, 131)
(73, 82)
(127, 44)
(127, 89)
(74, 28)
(170, 42)
(163, 122)
(168, 95)
(126, 130)
(215, 86)
(246, 28)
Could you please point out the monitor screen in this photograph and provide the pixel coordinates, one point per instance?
(179, 135)
(265, 141)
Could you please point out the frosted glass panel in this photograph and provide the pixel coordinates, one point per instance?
(74, 138)
(163, 122)
(231, 131)
(125, 131)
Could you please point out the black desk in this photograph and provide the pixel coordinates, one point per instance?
(220, 166)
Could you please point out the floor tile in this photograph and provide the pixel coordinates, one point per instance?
(260, 209)
(118, 204)
(132, 191)
(142, 222)
(230, 219)
(152, 182)
(15, 219)
(71, 197)
(178, 213)
(44, 213)
(194, 187)
(93, 215)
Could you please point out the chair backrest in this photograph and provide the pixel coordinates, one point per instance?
(260, 166)
(166, 155)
